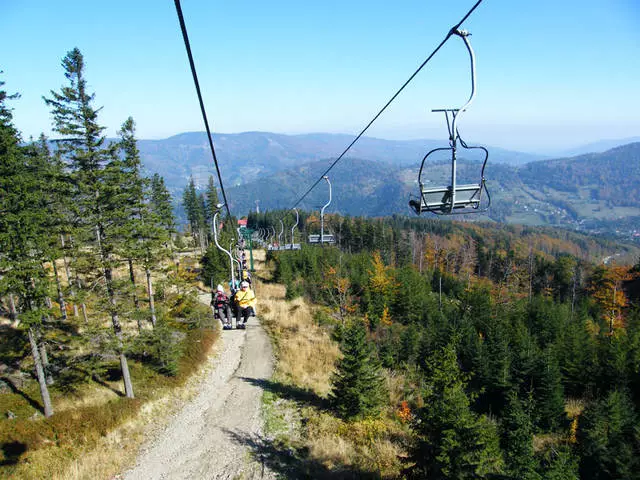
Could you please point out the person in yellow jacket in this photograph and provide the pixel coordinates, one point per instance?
(245, 301)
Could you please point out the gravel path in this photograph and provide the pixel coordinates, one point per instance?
(210, 437)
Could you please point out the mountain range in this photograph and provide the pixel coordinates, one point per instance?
(244, 157)
(597, 192)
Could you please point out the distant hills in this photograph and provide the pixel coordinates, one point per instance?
(245, 157)
(597, 147)
(596, 192)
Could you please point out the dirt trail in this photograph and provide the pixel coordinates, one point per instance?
(210, 437)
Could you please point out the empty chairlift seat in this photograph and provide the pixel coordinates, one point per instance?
(439, 199)
(454, 198)
(327, 238)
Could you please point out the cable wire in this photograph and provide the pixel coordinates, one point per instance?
(204, 113)
(451, 31)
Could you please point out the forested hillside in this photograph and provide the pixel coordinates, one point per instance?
(511, 354)
(594, 193)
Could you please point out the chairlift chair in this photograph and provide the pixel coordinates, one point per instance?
(454, 198)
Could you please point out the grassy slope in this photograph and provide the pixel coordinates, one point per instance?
(309, 441)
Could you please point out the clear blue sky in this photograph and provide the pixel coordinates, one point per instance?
(551, 74)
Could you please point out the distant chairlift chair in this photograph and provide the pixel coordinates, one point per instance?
(454, 198)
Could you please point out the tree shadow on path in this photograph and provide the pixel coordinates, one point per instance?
(288, 462)
(290, 392)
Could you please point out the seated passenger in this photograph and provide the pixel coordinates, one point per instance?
(222, 307)
(245, 301)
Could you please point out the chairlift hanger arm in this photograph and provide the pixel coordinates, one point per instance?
(451, 32)
(454, 198)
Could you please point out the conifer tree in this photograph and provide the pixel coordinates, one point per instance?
(609, 439)
(145, 236)
(56, 192)
(517, 440)
(559, 463)
(96, 175)
(549, 393)
(190, 203)
(212, 200)
(133, 188)
(23, 235)
(357, 383)
(160, 203)
(453, 441)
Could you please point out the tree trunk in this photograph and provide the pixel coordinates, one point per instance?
(126, 376)
(13, 313)
(63, 307)
(117, 328)
(45, 363)
(44, 391)
(132, 277)
(84, 312)
(70, 280)
(152, 306)
(66, 264)
(115, 320)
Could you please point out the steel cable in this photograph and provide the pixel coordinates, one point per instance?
(451, 31)
(202, 109)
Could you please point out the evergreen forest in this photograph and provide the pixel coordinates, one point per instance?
(520, 353)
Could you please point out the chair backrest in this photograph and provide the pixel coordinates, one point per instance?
(439, 198)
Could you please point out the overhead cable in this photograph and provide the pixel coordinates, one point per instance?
(202, 109)
(451, 32)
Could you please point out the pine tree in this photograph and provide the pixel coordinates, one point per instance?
(96, 174)
(517, 440)
(160, 203)
(212, 200)
(453, 441)
(145, 236)
(23, 234)
(357, 383)
(190, 203)
(609, 439)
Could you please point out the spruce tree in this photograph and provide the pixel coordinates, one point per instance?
(609, 439)
(145, 237)
(212, 200)
(23, 235)
(133, 188)
(57, 221)
(549, 393)
(453, 441)
(96, 175)
(516, 430)
(358, 389)
(160, 203)
(190, 203)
